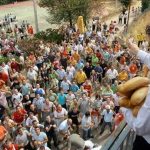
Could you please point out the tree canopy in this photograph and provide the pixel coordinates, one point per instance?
(145, 4)
(66, 10)
(125, 3)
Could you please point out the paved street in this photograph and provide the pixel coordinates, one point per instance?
(24, 11)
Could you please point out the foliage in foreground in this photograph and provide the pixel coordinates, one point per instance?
(32, 45)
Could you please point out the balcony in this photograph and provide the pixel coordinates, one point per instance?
(121, 139)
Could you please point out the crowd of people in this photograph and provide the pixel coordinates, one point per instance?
(19, 30)
(69, 96)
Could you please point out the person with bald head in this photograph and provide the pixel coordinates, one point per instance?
(108, 118)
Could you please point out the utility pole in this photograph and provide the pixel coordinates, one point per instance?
(116, 3)
(35, 16)
(129, 10)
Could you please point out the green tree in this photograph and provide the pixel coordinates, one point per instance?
(66, 10)
(145, 4)
(127, 5)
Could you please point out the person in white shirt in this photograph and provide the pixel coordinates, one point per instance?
(65, 85)
(5, 67)
(141, 123)
(17, 98)
(71, 69)
(30, 120)
(35, 124)
(108, 118)
(61, 73)
(60, 114)
(69, 75)
(38, 102)
(32, 75)
(86, 124)
(112, 74)
(64, 129)
(22, 138)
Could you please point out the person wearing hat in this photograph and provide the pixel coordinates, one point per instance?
(108, 119)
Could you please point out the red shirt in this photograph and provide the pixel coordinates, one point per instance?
(15, 66)
(95, 113)
(99, 55)
(133, 69)
(87, 87)
(3, 76)
(19, 116)
(2, 133)
(12, 147)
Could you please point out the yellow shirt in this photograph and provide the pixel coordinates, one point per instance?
(123, 76)
(76, 56)
(89, 50)
(140, 37)
(80, 77)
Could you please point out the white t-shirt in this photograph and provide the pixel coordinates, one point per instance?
(29, 120)
(71, 69)
(17, 99)
(70, 97)
(6, 68)
(63, 113)
(32, 75)
(69, 76)
(112, 74)
(63, 127)
(108, 116)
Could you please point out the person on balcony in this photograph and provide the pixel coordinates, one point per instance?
(141, 124)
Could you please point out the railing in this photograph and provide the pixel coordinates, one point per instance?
(121, 139)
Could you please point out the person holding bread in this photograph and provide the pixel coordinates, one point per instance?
(139, 121)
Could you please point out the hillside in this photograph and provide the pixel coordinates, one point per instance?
(139, 25)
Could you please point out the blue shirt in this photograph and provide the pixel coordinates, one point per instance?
(79, 65)
(74, 88)
(40, 137)
(25, 89)
(61, 99)
(39, 91)
(38, 102)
